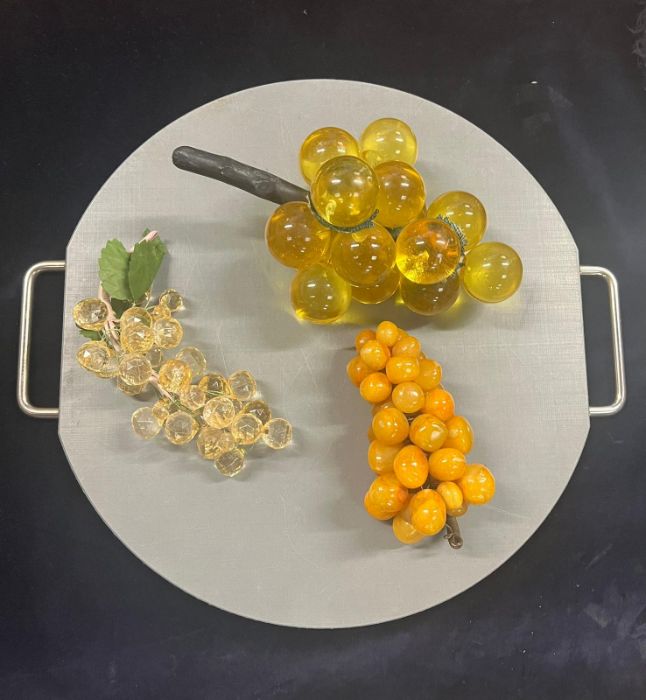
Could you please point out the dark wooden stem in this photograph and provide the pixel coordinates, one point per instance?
(245, 177)
(453, 532)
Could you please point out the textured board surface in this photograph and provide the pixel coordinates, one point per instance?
(288, 542)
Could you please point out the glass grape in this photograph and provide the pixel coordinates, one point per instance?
(465, 211)
(428, 251)
(134, 370)
(402, 194)
(388, 139)
(295, 237)
(319, 294)
(168, 332)
(180, 427)
(492, 272)
(174, 376)
(365, 257)
(381, 290)
(231, 462)
(90, 314)
(430, 299)
(344, 191)
(144, 423)
(277, 433)
(323, 145)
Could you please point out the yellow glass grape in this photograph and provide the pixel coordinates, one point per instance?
(319, 294)
(364, 257)
(428, 251)
(388, 139)
(90, 314)
(323, 145)
(492, 272)
(381, 290)
(402, 195)
(430, 299)
(94, 355)
(295, 237)
(344, 191)
(465, 211)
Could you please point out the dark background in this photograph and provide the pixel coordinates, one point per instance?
(558, 84)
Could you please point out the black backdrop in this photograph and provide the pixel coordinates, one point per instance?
(558, 84)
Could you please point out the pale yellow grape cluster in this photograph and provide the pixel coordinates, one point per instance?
(222, 413)
(366, 232)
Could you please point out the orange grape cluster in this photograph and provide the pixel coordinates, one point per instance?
(418, 446)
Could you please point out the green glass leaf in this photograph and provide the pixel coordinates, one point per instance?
(92, 335)
(119, 306)
(113, 269)
(145, 261)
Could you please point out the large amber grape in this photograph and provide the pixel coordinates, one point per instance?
(365, 257)
(295, 237)
(465, 211)
(319, 294)
(344, 191)
(388, 139)
(428, 251)
(381, 290)
(402, 195)
(430, 299)
(492, 272)
(323, 145)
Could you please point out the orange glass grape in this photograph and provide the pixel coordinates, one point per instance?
(375, 355)
(411, 466)
(387, 333)
(428, 512)
(357, 370)
(439, 402)
(390, 426)
(447, 464)
(363, 337)
(408, 397)
(402, 369)
(430, 374)
(385, 497)
(403, 528)
(460, 434)
(375, 388)
(378, 406)
(407, 346)
(478, 484)
(381, 457)
(452, 495)
(428, 432)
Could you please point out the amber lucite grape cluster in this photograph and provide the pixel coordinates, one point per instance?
(139, 349)
(418, 446)
(366, 232)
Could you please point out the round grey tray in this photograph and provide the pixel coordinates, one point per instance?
(288, 541)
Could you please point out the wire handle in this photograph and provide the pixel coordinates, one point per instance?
(617, 342)
(24, 347)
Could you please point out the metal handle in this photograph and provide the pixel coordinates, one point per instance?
(617, 343)
(24, 347)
